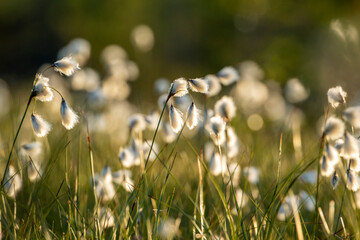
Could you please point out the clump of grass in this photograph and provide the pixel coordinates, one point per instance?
(208, 164)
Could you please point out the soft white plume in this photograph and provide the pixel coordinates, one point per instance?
(336, 96)
(40, 126)
(198, 85)
(334, 128)
(175, 117)
(178, 88)
(192, 116)
(66, 66)
(228, 75)
(225, 107)
(42, 90)
(68, 116)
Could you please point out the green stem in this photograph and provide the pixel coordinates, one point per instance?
(343, 197)
(91, 158)
(317, 187)
(156, 130)
(321, 149)
(57, 92)
(16, 136)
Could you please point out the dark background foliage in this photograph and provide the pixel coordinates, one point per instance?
(192, 38)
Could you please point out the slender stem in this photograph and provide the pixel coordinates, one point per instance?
(317, 187)
(279, 162)
(343, 195)
(92, 170)
(156, 130)
(140, 137)
(43, 71)
(57, 91)
(222, 173)
(14, 142)
(322, 142)
(66, 169)
(201, 200)
(14, 216)
(91, 158)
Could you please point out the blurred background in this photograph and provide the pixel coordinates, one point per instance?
(187, 38)
(284, 57)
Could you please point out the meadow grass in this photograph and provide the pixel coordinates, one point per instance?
(174, 190)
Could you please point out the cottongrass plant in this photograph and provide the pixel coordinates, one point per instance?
(195, 167)
(42, 91)
(68, 117)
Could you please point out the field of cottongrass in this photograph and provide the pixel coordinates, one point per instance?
(228, 155)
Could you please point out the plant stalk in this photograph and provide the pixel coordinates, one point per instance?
(14, 142)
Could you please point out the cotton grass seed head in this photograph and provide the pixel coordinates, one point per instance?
(216, 125)
(126, 157)
(13, 182)
(176, 120)
(40, 126)
(233, 150)
(351, 146)
(192, 116)
(334, 128)
(168, 134)
(331, 154)
(355, 164)
(216, 164)
(78, 48)
(250, 95)
(41, 90)
(104, 186)
(231, 136)
(252, 174)
(123, 178)
(220, 139)
(228, 75)
(106, 173)
(86, 79)
(309, 177)
(225, 108)
(307, 200)
(31, 150)
(250, 69)
(152, 120)
(352, 181)
(66, 65)
(295, 91)
(34, 171)
(68, 117)
(136, 150)
(169, 229)
(325, 167)
(352, 116)
(154, 151)
(241, 197)
(105, 190)
(178, 88)
(214, 86)
(137, 123)
(336, 96)
(198, 85)
(106, 218)
(161, 86)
